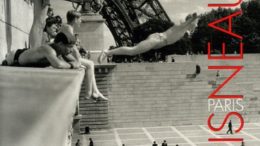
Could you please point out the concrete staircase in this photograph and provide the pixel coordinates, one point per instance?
(163, 94)
(155, 95)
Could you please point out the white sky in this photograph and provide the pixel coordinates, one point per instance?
(179, 9)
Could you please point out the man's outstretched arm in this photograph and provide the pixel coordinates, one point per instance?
(55, 62)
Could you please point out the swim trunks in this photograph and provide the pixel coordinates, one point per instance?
(17, 55)
(161, 37)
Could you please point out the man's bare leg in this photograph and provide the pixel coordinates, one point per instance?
(154, 41)
(96, 93)
(92, 91)
(88, 78)
(40, 13)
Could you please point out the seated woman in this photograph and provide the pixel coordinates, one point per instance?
(50, 31)
(154, 41)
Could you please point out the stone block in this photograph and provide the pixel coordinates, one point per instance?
(91, 34)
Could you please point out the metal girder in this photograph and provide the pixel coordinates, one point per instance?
(123, 16)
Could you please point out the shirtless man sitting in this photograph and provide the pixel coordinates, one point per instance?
(74, 21)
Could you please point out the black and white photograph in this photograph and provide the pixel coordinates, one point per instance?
(129, 73)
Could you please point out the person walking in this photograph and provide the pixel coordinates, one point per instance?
(155, 144)
(91, 143)
(78, 143)
(164, 143)
(230, 128)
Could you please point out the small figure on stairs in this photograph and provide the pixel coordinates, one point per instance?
(230, 127)
(155, 144)
(164, 143)
(78, 143)
(243, 143)
(91, 143)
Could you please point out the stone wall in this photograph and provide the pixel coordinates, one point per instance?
(16, 17)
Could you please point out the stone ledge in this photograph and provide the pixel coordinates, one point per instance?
(92, 18)
(111, 65)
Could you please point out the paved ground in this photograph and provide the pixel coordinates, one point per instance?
(182, 135)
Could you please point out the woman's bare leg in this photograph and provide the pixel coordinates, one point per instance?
(88, 77)
(40, 13)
